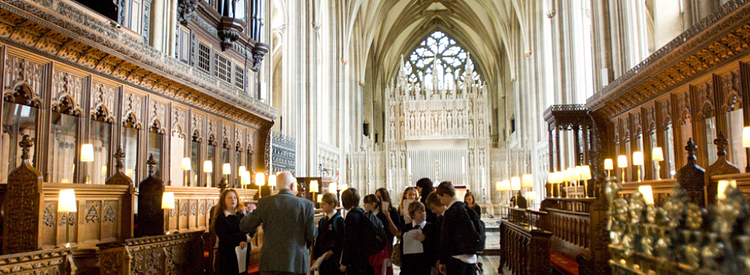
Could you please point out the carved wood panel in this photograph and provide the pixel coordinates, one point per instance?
(67, 91)
(132, 108)
(730, 86)
(157, 115)
(103, 101)
(179, 122)
(705, 101)
(23, 206)
(20, 70)
(197, 120)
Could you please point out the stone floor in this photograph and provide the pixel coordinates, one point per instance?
(489, 264)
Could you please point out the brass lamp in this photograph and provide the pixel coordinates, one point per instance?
(245, 180)
(186, 167)
(575, 175)
(66, 202)
(515, 185)
(609, 166)
(585, 176)
(505, 186)
(622, 163)
(638, 161)
(657, 155)
(314, 189)
(260, 180)
(87, 155)
(167, 202)
(208, 168)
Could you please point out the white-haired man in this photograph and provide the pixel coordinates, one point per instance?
(288, 228)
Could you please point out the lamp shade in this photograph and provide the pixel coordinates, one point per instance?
(608, 164)
(566, 175)
(66, 202)
(498, 186)
(585, 172)
(332, 187)
(271, 180)
(648, 194)
(746, 136)
(167, 200)
(241, 170)
(260, 179)
(226, 169)
(245, 178)
(505, 186)
(208, 166)
(314, 186)
(515, 183)
(343, 186)
(637, 158)
(186, 164)
(722, 188)
(622, 161)
(87, 152)
(575, 173)
(527, 181)
(657, 154)
(531, 195)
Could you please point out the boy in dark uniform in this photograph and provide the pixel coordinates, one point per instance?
(330, 240)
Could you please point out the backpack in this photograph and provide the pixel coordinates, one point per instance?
(476, 240)
(374, 238)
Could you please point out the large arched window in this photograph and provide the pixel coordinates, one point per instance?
(451, 60)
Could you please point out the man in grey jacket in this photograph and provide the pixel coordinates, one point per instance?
(288, 227)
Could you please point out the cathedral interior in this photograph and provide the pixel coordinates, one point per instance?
(123, 120)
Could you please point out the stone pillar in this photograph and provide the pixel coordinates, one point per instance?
(157, 29)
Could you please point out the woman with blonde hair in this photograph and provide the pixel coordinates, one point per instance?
(226, 224)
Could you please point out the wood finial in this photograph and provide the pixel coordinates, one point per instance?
(26, 143)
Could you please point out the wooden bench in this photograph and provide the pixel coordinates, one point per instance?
(578, 241)
(524, 246)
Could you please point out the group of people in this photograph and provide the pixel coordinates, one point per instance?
(439, 217)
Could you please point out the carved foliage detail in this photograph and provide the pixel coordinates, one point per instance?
(93, 208)
(109, 211)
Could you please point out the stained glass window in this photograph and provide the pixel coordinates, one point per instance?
(451, 60)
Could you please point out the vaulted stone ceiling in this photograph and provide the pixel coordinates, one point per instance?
(488, 29)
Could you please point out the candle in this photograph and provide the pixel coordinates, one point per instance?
(408, 166)
(463, 165)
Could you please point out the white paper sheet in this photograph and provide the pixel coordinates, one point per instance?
(405, 210)
(410, 245)
(241, 258)
(317, 263)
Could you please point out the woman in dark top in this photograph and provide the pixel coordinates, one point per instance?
(424, 186)
(226, 225)
(393, 221)
(469, 201)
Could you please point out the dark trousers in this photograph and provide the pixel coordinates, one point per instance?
(457, 267)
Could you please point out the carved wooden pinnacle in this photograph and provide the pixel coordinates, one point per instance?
(721, 144)
(119, 156)
(151, 162)
(26, 143)
(691, 149)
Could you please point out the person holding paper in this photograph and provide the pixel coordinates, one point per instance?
(226, 225)
(409, 195)
(330, 240)
(416, 259)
